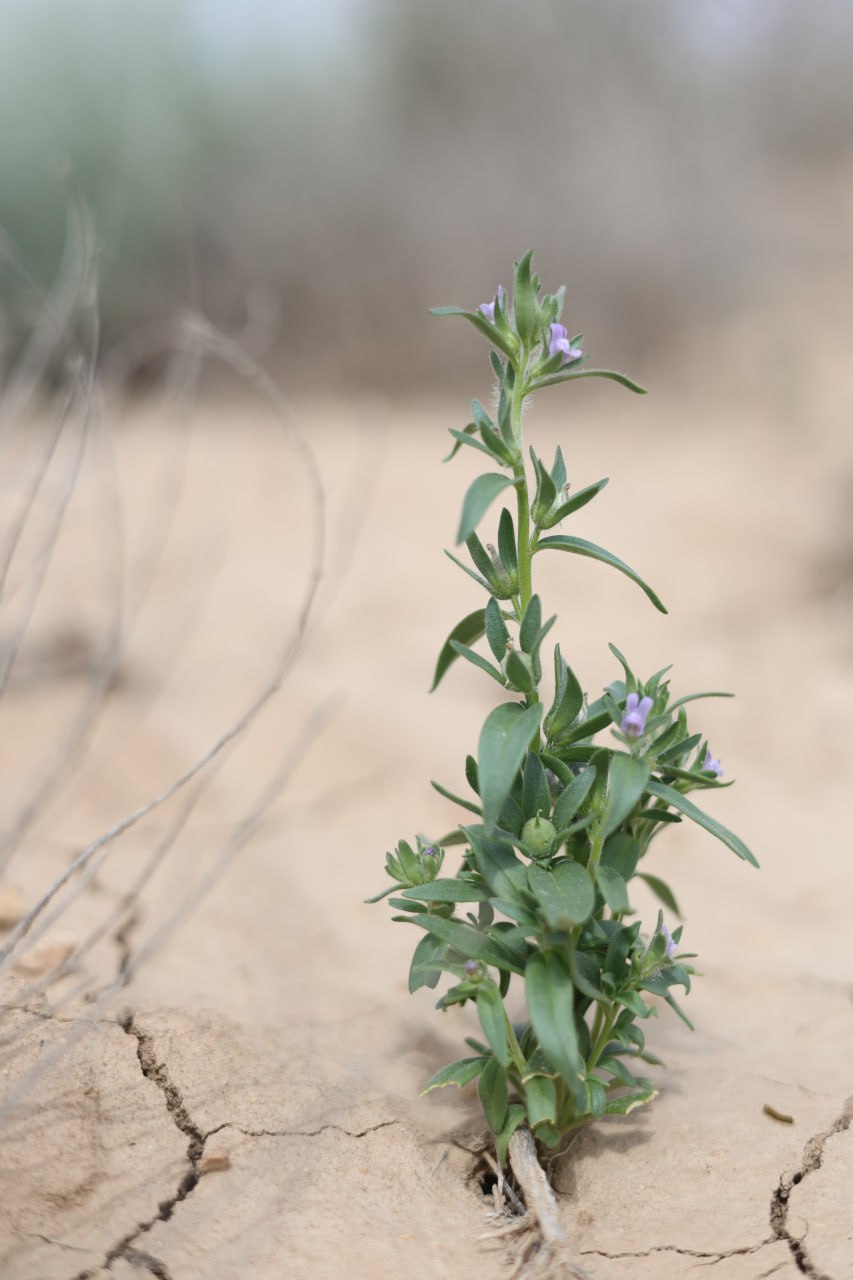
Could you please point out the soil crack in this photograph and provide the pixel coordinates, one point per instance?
(158, 1072)
(811, 1161)
(712, 1257)
(301, 1133)
(122, 939)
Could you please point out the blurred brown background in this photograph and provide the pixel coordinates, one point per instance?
(314, 176)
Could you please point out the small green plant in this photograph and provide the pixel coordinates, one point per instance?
(558, 823)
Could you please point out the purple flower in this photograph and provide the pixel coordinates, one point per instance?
(670, 945)
(712, 766)
(487, 309)
(636, 714)
(560, 343)
(429, 852)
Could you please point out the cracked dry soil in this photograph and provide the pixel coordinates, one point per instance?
(257, 1112)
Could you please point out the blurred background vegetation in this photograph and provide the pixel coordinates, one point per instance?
(314, 175)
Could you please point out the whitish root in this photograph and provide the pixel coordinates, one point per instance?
(546, 1254)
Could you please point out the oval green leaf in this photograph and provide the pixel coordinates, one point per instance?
(481, 494)
(550, 999)
(504, 741)
(465, 632)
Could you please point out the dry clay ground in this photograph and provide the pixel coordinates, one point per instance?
(237, 1095)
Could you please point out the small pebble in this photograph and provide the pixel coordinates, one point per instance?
(11, 906)
(46, 955)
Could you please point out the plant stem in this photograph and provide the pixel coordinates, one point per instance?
(602, 1039)
(524, 553)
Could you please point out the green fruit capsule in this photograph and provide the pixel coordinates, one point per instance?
(539, 836)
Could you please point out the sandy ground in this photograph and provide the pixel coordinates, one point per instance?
(233, 1091)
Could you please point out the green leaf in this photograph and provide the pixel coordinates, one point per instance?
(630, 679)
(535, 796)
(622, 853)
(565, 893)
(586, 975)
(571, 799)
(540, 1093)
(568, 698)
(552, 379)
(447, 891)
(558, 471)
(479, 322)
(531, 624)
(377, 897)
(477, 660)
(524, 297)
(481, 494)
(465, 632)
(452, 838)
(465, 437)
(549, 990)
(490, 1008)
(546, 493)
(496, 629)
(692, 697)
(628, 1102)
(519, 671)
(462, 437)
(468, 941)
(515, 1116)
(481, 557)
(427, 963)
(503, 872)
(676, 750)
(584, 729)
(616, 960)
(504, 742)
(461, 1072)
(450, 795)
(506, 541)
(470, 572)
(662, 891)
(672, 797)
(578, 500)
(487, 428)
(626, 782)
(481, 418)
(613, 888)
(580, 547)
(492, 1089)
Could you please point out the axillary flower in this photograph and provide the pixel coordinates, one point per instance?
(560, 344)
(710, 765)
(636, 714)
(487, 309)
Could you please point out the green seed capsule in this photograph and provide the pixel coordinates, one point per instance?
(539, 836)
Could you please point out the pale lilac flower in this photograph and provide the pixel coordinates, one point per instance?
(636, 714)
(429, 852)
(712, 766)
(560, 343)
(487, 309)
(670, 945)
